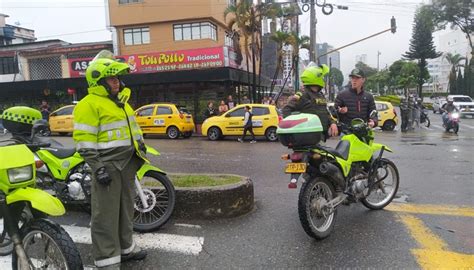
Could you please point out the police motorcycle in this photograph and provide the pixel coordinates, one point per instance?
(65, 174)
(424, 119)
(34, 241)
(353, 171)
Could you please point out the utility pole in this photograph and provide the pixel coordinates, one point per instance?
(312, 32)
(378, 69)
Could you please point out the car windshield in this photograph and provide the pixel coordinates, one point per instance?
(462, 99)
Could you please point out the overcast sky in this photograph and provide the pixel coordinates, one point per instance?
(84, 21)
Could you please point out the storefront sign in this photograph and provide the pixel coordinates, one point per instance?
(161, 61)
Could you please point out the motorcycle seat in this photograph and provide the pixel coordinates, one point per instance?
(62, 152)
(341, 150)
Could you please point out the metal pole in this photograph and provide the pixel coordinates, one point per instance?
(371, 36)
(297, 60)
(312, 32)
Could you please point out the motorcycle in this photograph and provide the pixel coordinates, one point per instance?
(349, 173)
(34, 241)
(66, 175)
(452, 123)
(424, 119)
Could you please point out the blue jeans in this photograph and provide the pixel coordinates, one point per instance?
(445, 118)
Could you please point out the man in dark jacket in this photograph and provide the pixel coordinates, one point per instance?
(355, 102)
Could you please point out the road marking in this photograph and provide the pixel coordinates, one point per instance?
(188, 225)
(433, 253)
(436, 126)
(190, 245)
(445, 210)
(466, 126)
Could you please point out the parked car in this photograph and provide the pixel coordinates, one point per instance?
(166, 119)
(464, 104)
(62, 121)
(438, 104)
(265, 121)
(388, 118)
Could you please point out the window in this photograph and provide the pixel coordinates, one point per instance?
(164, 110)
(129, 1)
(462, 99)
(8, 65)
(381, 107)
(260, 111)
(229, 42)
(237, 113)
(148, 111)
(192, 31)
(64, 111)
(231, 2)
(135, 36)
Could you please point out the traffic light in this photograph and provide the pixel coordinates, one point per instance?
(393, 25)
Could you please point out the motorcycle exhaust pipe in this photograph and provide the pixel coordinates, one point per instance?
(333, 172)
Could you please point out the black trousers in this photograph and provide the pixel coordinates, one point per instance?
(248, 128)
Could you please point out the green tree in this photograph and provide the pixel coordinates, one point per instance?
(469, 78)
(460, 84)
(421, 44)
(369, 71)
(409, 74)
(457, 13)
(454, 60)
(336, 76)
(281, 39)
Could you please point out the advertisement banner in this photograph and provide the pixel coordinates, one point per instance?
(161, 61)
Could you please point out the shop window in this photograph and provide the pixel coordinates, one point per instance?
(8, 65)
(193, 31)
(136, 36)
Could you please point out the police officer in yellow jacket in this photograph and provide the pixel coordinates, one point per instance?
(109, 139)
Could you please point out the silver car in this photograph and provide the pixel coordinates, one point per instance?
(437, 104)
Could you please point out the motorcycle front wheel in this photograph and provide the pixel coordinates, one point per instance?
(161, 197)
(317, 222)
(47, 246)
(385, 190)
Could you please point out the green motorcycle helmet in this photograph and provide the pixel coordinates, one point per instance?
(20, 119)
(314, 75)
(102, 66)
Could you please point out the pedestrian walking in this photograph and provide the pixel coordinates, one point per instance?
(247, 125)
(110, 141)
(404, 111)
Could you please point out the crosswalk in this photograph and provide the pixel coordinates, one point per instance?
(175, 243)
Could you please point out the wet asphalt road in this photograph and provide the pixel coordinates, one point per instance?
(435, 168)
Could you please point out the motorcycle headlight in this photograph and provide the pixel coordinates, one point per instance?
(455, 115)
(20, 174)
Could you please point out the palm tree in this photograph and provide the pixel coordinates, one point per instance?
(281, 38)
(453, 60)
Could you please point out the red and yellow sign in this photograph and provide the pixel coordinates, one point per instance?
(161, 61)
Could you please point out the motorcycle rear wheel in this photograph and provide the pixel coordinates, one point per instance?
(392, 171)
(47, 244)
(161, 198)
(314, 191)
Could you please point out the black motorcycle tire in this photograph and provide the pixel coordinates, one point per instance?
(60, 237)
(304, 204)
(140, 226)
(427, 122)
(371, 206)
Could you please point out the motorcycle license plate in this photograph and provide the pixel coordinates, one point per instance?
(295, 168)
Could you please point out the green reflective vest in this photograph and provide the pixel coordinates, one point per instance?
(99, 123)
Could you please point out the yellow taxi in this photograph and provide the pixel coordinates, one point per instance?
(166, 119)
(265, 121)
(61, 120)
(388, 118)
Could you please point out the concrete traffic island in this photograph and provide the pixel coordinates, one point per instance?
(209, 202)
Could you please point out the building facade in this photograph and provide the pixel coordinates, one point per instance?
(333, 59)
(14, 34)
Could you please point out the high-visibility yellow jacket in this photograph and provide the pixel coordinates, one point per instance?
(102, 128)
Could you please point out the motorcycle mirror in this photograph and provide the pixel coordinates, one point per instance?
(373, 114)
(39, 125)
